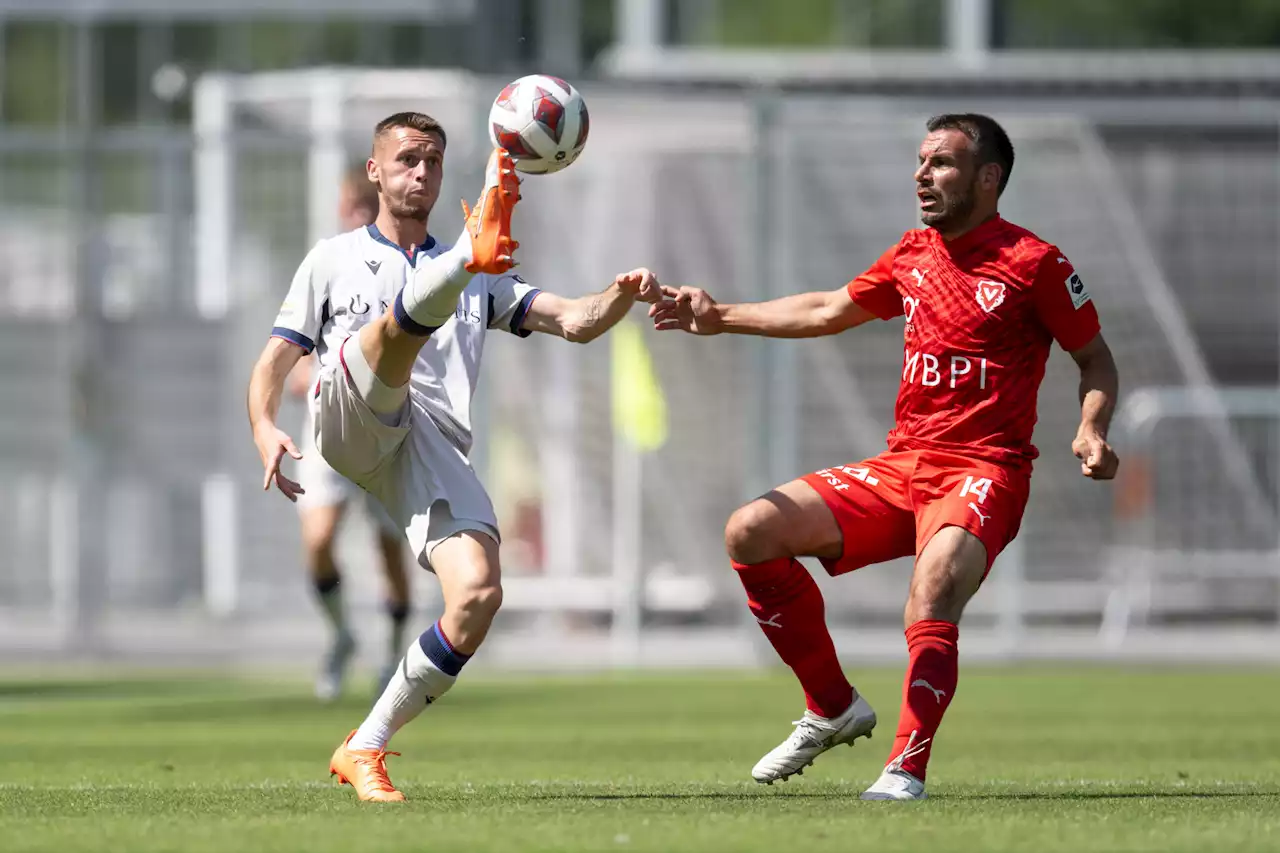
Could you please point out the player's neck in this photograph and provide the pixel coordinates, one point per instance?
(977, 220)
(408, 234)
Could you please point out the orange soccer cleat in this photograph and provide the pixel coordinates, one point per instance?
(489, 222)
(366, 771)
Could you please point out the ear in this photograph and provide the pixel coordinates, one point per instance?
(989, 175)
(371, 171)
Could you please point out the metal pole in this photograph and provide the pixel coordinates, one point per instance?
(211, 120)
(969, 31)
(628, 572)
(560, 36)
(88, 589)
(640, 24)
(327, 157)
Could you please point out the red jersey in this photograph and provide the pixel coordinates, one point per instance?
(981, 312)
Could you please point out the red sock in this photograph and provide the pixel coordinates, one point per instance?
(926, 691)
(788, 605)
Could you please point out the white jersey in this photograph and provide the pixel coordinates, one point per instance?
(348, 280)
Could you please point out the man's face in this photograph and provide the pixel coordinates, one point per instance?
(948, 179)
(407, 165)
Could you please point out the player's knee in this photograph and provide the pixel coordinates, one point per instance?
(481, 600)
(943, 583)
(317, 543)
(933, 599)
(748, 535)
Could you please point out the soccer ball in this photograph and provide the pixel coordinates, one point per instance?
(541, 121)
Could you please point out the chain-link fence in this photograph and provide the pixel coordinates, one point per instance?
(132, 505)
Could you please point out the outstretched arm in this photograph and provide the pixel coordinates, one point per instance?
(1099, 388)
(588, 317)
(266, 385)
(804, 315)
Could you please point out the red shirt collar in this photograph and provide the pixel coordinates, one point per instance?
(970, 238)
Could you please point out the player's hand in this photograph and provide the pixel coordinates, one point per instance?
(642, 284)
(1097, 460)
(690, 309)
(273, 444)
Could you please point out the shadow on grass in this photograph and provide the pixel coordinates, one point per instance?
(1113, 795)
(733, 796)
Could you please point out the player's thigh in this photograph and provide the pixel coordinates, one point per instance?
(983, 498)
(350, 437)
(791, 521)
(319, 524)
(866, 501)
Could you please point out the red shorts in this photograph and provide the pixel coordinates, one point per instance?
(891, 505)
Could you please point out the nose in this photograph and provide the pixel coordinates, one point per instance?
(922, 174)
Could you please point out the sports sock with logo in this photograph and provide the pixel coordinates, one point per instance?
(788, 606)
(426, 673)
(430, 296)
(927, 690)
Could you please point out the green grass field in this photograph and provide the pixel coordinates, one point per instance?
(1030, 759)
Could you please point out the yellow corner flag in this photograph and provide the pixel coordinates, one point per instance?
(639, 409)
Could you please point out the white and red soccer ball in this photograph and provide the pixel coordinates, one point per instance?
(541, 121)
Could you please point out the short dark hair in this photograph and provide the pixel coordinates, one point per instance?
(990, 143)
(415, 121)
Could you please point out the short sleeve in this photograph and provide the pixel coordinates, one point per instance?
(509, 299)
(875, 290)
(302, 314)
(1063, 304)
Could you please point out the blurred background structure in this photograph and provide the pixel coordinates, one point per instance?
(165, 165)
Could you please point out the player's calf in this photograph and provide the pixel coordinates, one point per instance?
(467, 565)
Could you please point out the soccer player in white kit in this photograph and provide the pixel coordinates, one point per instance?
(327, 495)
(398, 322)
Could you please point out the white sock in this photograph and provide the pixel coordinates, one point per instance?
(385, 402)
(426, 673)
(429, 297)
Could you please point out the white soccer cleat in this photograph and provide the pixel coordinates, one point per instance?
(813, 736)
(329, 681)
(895, 783)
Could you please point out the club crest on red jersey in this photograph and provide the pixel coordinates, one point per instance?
(990, 295)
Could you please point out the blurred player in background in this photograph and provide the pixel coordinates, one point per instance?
(398, 322)
(327, 494)
(983, 301)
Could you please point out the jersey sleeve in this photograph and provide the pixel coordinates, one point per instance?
(302, 313)
(875, 290)
(509, 299)
(1063, 304)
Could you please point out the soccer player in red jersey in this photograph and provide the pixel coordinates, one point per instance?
(983, 300)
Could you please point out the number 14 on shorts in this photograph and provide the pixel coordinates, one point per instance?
(976, 486)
